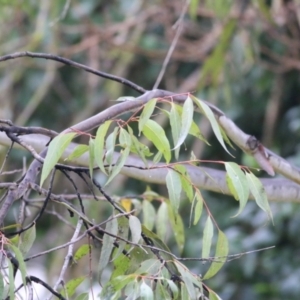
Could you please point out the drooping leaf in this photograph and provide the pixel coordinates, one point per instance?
(124, 138)
(186, 182)
(207, 237)
(121, 265)
(11, 280)
(213, 296)
(213, 122)
(186, 120)
(148, 214)
(135, 229)
(173, 287)
(70, 286)
(91, 156)
(197, 208)
(156, 134)
(222, 250)
(55, 151)
(83, 296)
(110, 144)
(123, 229)
(146, 113)
(20, 259)
(78, 151)
(174, 187)
(119, 164)
(237, 184)
(107, 245)
(146, 292)
(178, 228)
(82, 251)
(1, 287)
(114, 286)
(161, 221)
(27, 239)
(259, 193)
(99, 144)
(175, 123)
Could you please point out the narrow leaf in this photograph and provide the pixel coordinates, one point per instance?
(207, 237)
(186, 120)
(110, 147)
(178, 229)
(259, 193)
(27, 239)
(20, 258)
(11, 280)
(107, 246)
(186, 182)
(91, 156)
(99, 144)
(119, 164)
(78, 151)
(175, 123)
(156, 134)
(161, 221)
(237, 184)
(146, 292)
(82, 251)
(173, 183)
(135, 228)
(214, 124)
(221, 251)
(55, 151)
(146, 113)
(148, 214)
(71, 286)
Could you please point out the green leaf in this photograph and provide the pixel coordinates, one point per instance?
(197, 207)
(173, 183)
(27, 239)
(91, 156)
(1, 287)
(186, 182)
(161, 221)
(124, 138)
(259, 193)
(186, 120)
(11, 280)
(148, 214)
(110, 147)
(55, 151)
(186, 277)
(150, 266)
(121, 265)
(20, 259)
(173, 288)
(83, 296)
(175, 123)
(213, 296)
(111, 227)
(178, 229)
(213, 122)
(161, 292)
(119, 165)
(237, 184)
(193, 8)
(123, 229)
(146, 292)
(221, 251)
(82, 251)
(135, 228)
(112, 288)
(99, 144)
(146, 113)
(78, 151)
(71, 286)
(132, 290)
(156, 134)
(207, 237)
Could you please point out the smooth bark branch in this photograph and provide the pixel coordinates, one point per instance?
(277, 189)
(268, 161)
